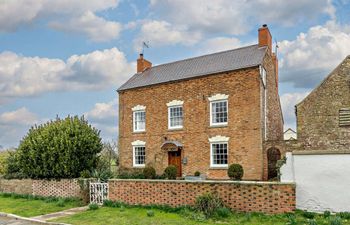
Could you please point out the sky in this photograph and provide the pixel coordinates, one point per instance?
(68, 57)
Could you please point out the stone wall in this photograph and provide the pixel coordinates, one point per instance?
(266, 197)
(318, 114)
(24, 186)
(58, 188)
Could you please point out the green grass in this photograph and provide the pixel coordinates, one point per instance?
(138, 216)
(27, 206)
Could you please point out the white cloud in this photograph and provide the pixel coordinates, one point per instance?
(78, 16)
(231, 17)
(20, 116)
(307, 59)
(220, 44)
(160, 33)
(28, 76)
(96, 28)
(14, 125)
(104, 116)
(288, 102)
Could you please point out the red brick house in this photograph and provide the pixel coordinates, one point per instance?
(203, 113)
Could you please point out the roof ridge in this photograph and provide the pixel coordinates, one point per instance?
(196, 57)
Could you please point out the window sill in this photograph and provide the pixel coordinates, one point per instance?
(218, 125)
(139, 166)
(139, 132)
(218, 167)
(176, 129)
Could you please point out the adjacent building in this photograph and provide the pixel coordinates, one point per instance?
(203, 113)
(323, 117)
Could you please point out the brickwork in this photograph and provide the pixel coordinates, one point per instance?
(59, 188)
(263, 197)
(318, 114)
(16, 186)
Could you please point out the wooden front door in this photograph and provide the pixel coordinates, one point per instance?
(175, 159)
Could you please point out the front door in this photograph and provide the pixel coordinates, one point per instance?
(175, 159)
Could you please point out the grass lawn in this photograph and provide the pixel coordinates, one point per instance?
(30, 207)
(138, 216)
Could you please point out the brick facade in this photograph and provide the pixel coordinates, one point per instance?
(263, 197)
(318, 114)
(57, 188)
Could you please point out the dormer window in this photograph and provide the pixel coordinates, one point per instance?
(139, 118)
(218, 110)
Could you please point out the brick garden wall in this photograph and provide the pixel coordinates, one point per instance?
(24, 186)
(58, 188)
(263, 197)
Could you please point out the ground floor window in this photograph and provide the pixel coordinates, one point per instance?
(139, 155)
(219, 154)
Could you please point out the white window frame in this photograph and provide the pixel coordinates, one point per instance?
(175, 104)
(137, 144)
(138, 109)
(215, 99)
(218, 140)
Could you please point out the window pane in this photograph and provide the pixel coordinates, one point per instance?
(176, 116)
(139, 120)
(219, 152)
(140, 155)
(219, 112)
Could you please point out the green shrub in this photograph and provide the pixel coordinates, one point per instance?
(85, 174)
(170, 172)
(108, 203)
(335, 221)
(222, 212)
(308, 215)
(208, 204)
(344, 215)
(150, 213)
(291, 219)
(312, 222)
(149, 172)
(93, 206)
(326, 214)
(235, 172)
(62, 148)
(197, 173)
(125, 173)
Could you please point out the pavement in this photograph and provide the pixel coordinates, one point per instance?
(11, 219)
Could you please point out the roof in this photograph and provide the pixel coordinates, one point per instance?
(230, 60)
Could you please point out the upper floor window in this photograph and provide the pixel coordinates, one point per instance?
(344, 117)
(218, 109)
(139, 153)
(175, 114)
(218, 151)
(139, 118)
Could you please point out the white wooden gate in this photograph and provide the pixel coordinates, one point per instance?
(98, 192)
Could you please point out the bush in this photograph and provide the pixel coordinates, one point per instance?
(326, 214)
(60, 203)
(93, 206)
(335, 221)
(125, 173)
(170, 172)
(312, 222)
(235, 172)
(149, 172)
(208, 204)
(62, 148)
(222, 212)
(197, 173)
(150, 213)
(85, 174)
(308, 215)
(344, 215)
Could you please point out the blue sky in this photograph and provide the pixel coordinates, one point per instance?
(60, 57)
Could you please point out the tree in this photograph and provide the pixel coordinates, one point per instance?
(62, 148)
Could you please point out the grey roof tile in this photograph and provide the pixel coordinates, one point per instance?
(199, 66)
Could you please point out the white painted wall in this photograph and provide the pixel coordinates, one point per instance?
(322, 181)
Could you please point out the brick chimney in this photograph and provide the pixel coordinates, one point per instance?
(143, 64)
(265, 38)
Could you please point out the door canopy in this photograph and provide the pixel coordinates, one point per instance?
(171, 146)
